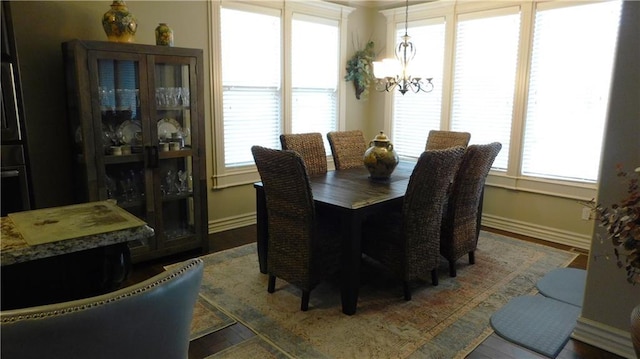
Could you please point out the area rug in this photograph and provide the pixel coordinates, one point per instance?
(254, 347)
(207, 318)
(536, 322)
(445, 321)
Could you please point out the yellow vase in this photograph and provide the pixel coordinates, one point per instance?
(119, 24)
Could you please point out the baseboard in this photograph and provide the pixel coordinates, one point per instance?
(604, 337)
(550, 234)
(225, 224)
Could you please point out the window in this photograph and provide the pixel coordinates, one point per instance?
(315, 54)
(251, 96)
(484, 78)
(283, 76)
(416, 114)
(534, 76)
(569, 85)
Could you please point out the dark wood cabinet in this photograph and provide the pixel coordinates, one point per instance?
(15, 175)
(137, 119)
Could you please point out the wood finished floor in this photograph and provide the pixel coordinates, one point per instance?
(493, 347)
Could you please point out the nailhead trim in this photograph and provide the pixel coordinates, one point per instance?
(57, 312)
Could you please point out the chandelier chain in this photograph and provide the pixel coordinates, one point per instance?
(406, 18)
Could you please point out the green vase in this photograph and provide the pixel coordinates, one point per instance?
(119, 24)
(164, 35)
(380, 158)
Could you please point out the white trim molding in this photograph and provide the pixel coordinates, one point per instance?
(549, 234)
(229, 223)
(604, 337)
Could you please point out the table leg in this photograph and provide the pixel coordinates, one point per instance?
(351, 257)
(262, 228)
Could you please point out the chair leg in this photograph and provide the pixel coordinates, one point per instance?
(452, 269)
(472, 257)
(407, 291)
(434, 276)
(272, 283)
(304, 306)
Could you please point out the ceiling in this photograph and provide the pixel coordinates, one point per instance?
(380, 4)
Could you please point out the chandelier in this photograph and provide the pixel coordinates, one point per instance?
(392, 73)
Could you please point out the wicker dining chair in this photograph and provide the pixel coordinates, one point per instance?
(407, 242)
(311, 147)
(460, 225)
(438, 140)
(347, 148)
(303, 247)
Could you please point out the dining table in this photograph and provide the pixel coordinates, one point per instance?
(351, 195)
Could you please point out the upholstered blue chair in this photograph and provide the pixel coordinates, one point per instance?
(151, 319)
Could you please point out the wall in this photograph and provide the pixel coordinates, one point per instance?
(42, 25)
(40, 28)
(609, 299)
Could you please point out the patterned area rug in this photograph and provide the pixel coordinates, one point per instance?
(446, 321)
(207, 318)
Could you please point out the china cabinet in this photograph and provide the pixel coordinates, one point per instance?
(136, 117)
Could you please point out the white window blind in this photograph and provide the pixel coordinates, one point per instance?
(415, 114)
(569, 81)
(251, 94)
(486, 56)
(315, 49)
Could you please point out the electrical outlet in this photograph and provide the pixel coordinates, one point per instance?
(586, 213)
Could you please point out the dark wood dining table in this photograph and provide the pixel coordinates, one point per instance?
(351, 195)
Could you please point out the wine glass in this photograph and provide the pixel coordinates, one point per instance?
(169, 180)
(182, 178)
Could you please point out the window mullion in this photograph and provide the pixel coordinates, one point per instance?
(522, 84)
(447, 78)
(287, 18)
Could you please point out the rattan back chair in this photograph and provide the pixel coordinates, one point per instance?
(302, 249)
(438, 140)
(460, 225)
(407, 242)
(347, 148)
(311, 147)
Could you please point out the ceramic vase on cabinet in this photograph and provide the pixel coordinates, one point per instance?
(380, 158)
(119, 24)
(164, 35)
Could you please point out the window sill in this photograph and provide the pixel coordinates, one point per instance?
(244, 175)
(564, 189)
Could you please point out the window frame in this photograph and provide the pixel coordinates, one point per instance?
(224, 177)
(512, 178)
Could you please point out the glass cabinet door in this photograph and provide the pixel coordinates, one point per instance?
(122, 140)
(122, 135)
(173, 139)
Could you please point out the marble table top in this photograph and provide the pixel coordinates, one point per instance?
(14, 248)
